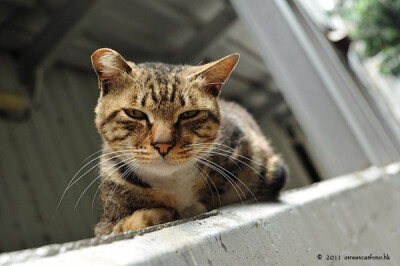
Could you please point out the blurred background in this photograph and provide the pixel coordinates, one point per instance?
(321, 78)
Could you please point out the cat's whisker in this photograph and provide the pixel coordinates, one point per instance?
(105, 179)
(214, 149)
(239, 155)
(126, 152)
(225, 173)
(238, 179)
(72, 182)
(94, 153)
(233, 158)
(204, 139)
(203, 177)
(212, 182)
(227, 178)
(234, 176)
(94, 180)
(101, 150)
(127, 172)
(119, 154)
(218, 153)
(212, 144)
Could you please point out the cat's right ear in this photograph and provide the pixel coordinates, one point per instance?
(109, 66)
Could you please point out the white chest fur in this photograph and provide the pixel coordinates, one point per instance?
(179, 184)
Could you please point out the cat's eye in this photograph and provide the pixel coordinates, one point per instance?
(188, 114)
(135, 114)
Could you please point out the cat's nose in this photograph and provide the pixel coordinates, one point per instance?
(163, 148)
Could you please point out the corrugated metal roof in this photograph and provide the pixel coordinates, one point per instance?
(38, 158)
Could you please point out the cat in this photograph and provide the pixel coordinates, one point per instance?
(171, 148)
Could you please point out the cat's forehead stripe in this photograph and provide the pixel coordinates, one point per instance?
(164, 96)
(153, 92)
(172, 98)
(163, 82)
(165, 86)
(148, 78)
(144, 98)
(182, 100)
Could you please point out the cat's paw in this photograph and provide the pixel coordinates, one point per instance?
(192, 210)
(144, 218)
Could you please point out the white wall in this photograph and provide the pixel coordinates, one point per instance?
(354, 215)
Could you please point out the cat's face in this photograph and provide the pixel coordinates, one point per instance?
(155, 117)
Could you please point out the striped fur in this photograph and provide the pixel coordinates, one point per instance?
(172, 149)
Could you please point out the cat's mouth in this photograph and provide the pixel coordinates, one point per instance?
(164, 164)
(162, 167)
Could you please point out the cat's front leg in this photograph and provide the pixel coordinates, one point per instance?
(144, 218)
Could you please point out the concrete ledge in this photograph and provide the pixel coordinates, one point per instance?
(354, 215)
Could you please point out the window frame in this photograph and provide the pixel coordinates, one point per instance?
(344, 131)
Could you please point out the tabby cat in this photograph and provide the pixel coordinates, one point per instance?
(171, 148)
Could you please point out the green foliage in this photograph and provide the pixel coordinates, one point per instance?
(377, 24)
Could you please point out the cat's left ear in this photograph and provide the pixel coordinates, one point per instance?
(217, 72)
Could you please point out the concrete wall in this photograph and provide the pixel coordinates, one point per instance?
(354, 215)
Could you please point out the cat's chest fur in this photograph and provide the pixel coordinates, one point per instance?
(179, 184)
